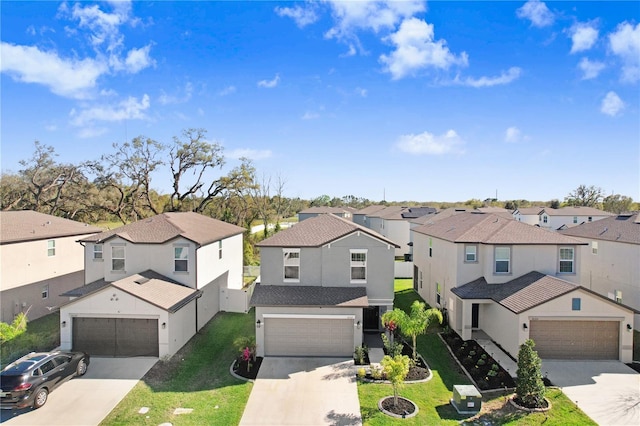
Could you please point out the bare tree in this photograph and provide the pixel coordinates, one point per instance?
(585, 196)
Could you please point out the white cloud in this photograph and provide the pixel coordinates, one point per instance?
(625, 43)
(91, 132)
(369, 14)
(138, 59)
(415, 49)
(362, 92)
(430, 144)
(583, 36)
(71, 78)
(590, 69)
(537, 12)
(302, 16)
(504, 78)
(253, 154)
(227, 91)
(51, 127)
(611, 104)
(269, 84)
(103, 26)
(512, 134)
(310, 115)
(166, 99)
(129, 109)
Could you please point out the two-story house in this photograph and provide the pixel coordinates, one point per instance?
(343, 212)
(555, 219)
(611, 260)
(323, 282)
(39, 260)
(513, 282)
(152, 284)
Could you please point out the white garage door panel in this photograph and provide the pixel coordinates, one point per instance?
(308, 337)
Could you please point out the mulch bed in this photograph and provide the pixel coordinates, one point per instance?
(240, 368)
(404, 407)
(543, 404)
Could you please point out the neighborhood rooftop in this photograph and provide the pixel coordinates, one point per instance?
(318, 231)
(28, 225)
(167, 226)
(476, 227)
(287, 295)
(623, 228)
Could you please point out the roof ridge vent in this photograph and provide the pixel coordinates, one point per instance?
(604, 230)
(141, 280)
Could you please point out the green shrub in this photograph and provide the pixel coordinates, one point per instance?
(529, 386)
(362, 373)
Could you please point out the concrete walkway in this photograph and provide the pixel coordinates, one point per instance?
(498, 354)
(607, 391)
(304, 391)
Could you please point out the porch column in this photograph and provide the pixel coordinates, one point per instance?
(466, 319)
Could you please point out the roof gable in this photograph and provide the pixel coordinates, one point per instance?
(623, 228)
(167, 226)
(318, 231)
(28, 225)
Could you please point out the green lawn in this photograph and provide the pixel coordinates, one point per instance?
(42, 334)
(197, 377)
(433, 397)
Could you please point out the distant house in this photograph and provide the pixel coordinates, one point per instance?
(514, 281)
(611, 259)
(556, 219)
(361, 217)
(343, 212)
(323, 282)
(39, 260)
(152, 284)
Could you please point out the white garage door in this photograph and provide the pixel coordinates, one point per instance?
(575, 339)
(308, 337)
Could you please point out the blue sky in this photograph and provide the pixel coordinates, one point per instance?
(425, 101)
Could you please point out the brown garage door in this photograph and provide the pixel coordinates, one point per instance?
(575, 339)
(308, 337)
(116, 336)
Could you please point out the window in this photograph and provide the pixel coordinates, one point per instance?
(430, 247)
(51, 248)
(47, 366)
(358, 265)
(97, 251)
(471, 253)
(292, 265)
(420, 279)
(575, 219)
(545, 219)
(619, 296)
(575, 304)
(438, 293)
(181, 259)
(594, 247)
(117, 258)
(220, 249)
(45, 291)
(566, 260)
(503, 260)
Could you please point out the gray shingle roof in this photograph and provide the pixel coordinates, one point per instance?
(149, 286)
(27, 225)
(370, 209)
(167, 226)
(624, 228)
(325, 209)
(517, 295)
(285, 295)
(476, 227)
(576, 211)
(318, 231)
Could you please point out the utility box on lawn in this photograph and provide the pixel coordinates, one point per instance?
(466, 399)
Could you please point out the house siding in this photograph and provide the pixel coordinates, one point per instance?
(211, 266)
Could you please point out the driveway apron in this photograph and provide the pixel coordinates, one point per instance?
(607, 391)
(303, 391)
(86, 400)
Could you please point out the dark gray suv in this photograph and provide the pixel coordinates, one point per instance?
(28, 381)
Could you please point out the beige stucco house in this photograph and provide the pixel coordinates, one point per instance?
(150, 285)
(514, 282)
(555, 219)
(39, 260)
(611, 259)
(323, 282)
(343, 212)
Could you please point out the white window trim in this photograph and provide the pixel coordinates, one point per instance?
(51, 245)
(124, 268)
(45, 291)
(358, 264)
(182, 246)
(572, 260)
(293, 263)
(101, 251)
(510, 260)
(475, 253)
(438, 294)
(594, 247)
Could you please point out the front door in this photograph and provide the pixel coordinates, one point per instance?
(371, 316)
(475, 309)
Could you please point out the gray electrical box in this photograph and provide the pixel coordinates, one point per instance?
(466, 399)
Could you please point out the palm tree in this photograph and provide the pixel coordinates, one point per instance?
(416, 322)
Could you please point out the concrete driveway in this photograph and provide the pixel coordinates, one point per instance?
(85, 401)
(607, 391)
(304, 391)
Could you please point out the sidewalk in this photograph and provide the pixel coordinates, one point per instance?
(498, 354)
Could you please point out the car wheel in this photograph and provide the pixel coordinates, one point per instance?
(41, 398)
(81, 368)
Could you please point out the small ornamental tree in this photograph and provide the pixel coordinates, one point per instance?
(246, 343)
(396, 369)
(416, 322)
(529, 385)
